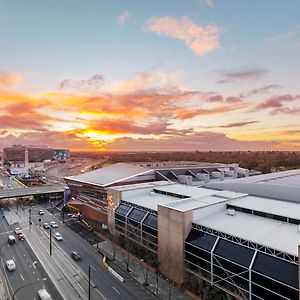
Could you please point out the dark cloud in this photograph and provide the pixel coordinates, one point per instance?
(90, 84)
(243, 74)
(233, 99)
(238, 124)
(215, 98)
(276, 101)
(263, 89)
(286, 110)
(204, 141)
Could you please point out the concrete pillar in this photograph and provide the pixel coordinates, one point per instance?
(114, 200)
(173, 228)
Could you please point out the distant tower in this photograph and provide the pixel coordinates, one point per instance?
(26, 158)
(26, 162)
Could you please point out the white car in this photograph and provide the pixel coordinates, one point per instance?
(41, 212)
(46, 225)
(10, 264)
(53, 224)
(17, 230)
(44, 295)
(58, 236)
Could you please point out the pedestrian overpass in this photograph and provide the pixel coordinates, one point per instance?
(51, 191)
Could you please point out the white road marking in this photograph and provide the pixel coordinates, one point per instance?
(22, 276)
(80, 286)
(35, 262)
(116, 290)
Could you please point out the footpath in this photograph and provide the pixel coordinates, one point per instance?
(141, 273)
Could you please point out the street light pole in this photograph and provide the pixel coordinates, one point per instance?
(50, 241)
(89, 282)
(90, 266)
(26, 285)
(29, 216)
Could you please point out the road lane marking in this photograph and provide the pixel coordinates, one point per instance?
(22, 276)
(116, 290)
(80, 286)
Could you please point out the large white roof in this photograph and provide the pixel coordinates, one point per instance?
(178, 196)
(112, 174)
(275, 207)
(261, 230)
(282, 185)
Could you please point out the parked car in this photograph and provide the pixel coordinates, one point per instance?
(58, 236)
(53, 224)
(11, 239)
(17, 230)
(75, 255)
(21, 237)
(41, 212)
(46, 225)
(10, 264)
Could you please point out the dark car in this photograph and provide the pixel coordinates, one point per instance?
(21, 237)
(75, 255)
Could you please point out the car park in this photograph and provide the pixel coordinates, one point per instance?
(10, 264)
(11, 239)
(53, 224)
(21, 237)
(58, 236)
(41, 212)
(46, 225)
(75, 255)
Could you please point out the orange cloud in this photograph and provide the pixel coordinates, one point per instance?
(200, 39)
(9, 79)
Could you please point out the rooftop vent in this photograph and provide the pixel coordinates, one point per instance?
(230, 211)
(152, 193)
(298, 227)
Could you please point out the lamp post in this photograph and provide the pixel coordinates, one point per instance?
(50, 241)
(26, 285)
(145, 276)
(29, 216)
(90, 266)
(157, 267)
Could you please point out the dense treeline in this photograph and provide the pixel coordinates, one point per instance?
(264, 161)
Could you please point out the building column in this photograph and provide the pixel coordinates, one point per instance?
(173, 228)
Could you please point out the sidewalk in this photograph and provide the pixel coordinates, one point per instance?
(164, 290)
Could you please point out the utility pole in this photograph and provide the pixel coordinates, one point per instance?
(89, 282)
(50, 241)
(90, 266)
(29, 216)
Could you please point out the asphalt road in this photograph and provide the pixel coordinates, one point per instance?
(106, 284)
(9, 183)
(28, 269)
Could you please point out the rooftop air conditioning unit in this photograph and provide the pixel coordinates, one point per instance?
(231, 211)
(152, 193)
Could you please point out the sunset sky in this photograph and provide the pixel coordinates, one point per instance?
(150, 75)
